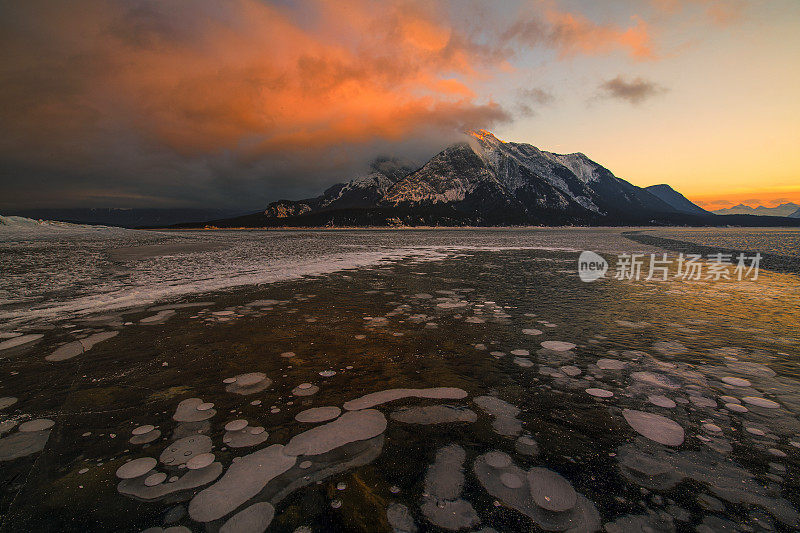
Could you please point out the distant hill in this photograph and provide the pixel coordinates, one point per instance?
(784, 210)
(124, 218)
(675, 199)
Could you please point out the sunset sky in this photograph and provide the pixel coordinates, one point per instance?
(236, 103)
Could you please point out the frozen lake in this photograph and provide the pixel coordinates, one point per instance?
(425, 380)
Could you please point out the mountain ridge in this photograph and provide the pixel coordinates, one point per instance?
(483, 181)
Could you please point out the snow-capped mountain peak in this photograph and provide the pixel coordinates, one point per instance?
(485, 179)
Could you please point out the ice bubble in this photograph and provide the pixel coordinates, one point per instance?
(611, 364)
(520, 352)
(180, 451)
(192, 479)
(760, 402)
(400, 519)
(713, 428)
(661, 401)
(350, 427)
(581, 517)
(155, 479)
(243, 480)
(245, 437)
(526, 446)
(145, 438)
(22, 444)
(253, 519)
(497, 459)
(327, 373)
(532, 331)
(40, 424)
(205, 406)
(305, 389)
(558, 346)
(655, 427)
(751, 369)
(444, 481)
(736, 407)
(74, 348)
(390, 395)
(497, 354)
(158, 318)
(571, 370)
(702, 401)
(136, 468)
(523, 362)
(755, 431)
(249, 383)
(200, 461)
(7, 425)
(736, 382)
(318, 414)
(434, 414)
(505, 422)
(510, 480)
(187, 411)
(600, 393)
(658, 380)
(141, 430)
(7, 401)
(21, 341)
(236, 425)
(550, 490)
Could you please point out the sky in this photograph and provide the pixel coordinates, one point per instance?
(237, 103)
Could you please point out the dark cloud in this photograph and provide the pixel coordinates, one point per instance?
(537, 96)
(131, 103)
(634, 91)
(530, 100)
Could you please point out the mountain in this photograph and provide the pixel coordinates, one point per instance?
(675, 199)
(484, 181)
(783, 210)
(481, 181)
(796, 214)
(124, 218)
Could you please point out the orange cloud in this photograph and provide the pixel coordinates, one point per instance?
(721, 12)
(240, 75)
(573, 33)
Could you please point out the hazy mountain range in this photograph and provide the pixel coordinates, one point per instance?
(484, 181)
(784, 210)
